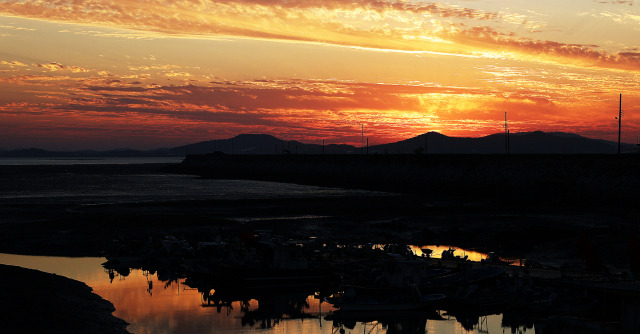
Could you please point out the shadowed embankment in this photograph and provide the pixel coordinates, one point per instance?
(37, 302)
(523, 180)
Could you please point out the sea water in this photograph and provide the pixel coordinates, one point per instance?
(52, 161)
(113, 180)
(164, 307)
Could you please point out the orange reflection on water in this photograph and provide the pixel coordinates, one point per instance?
(471, 255)
(177, 308)
(437, 252)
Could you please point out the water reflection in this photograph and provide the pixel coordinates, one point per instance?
(171, 305)
(261, 296)
(436, 251)
(163, 297)
(177, 307)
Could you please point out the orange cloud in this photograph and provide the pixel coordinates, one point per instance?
(389, 25)
(306, 110)
(52, 67)
(13, 63)
(619, 2)
(585, 55)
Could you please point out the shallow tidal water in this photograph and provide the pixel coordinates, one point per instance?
(154, 306)
(89, 182)
(159, 306)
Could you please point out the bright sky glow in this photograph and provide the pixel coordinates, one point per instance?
(150, 73)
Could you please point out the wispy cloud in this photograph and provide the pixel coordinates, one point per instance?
(378, 24)
(53, 67)
(7, 27)
(583, 55)
(625, 17)
(304, 109)
(616, 2)
(12, 63)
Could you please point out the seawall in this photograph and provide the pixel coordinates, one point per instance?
(508, 179)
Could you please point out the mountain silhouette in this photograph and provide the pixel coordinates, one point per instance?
(536, 142)
(261, 144)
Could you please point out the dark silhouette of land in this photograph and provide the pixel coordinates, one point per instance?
(536, 142)
(499, 180)
(484, 202)
(572, 212)
(37, 302)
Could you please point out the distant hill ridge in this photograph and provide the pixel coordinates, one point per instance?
(536, 142)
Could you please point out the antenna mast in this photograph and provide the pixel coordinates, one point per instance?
(506, 133)
(619, 123)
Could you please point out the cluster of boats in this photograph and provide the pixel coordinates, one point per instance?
(357, 280)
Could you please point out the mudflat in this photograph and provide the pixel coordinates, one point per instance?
(539, 207)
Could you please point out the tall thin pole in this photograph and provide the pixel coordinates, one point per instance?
(506, 133)
(362, 138)
(619, 123)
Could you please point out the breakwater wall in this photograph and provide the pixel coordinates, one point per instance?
(559, 179)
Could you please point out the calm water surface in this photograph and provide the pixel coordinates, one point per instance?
(48, 181)
(88, 161)
(174, 308)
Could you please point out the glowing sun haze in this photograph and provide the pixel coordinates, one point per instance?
(103, 74)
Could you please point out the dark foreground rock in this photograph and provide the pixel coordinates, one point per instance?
(37, 302)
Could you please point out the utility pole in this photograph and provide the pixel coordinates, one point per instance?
(323, 146)
(619, 123)
(506, 133)
(361, 138)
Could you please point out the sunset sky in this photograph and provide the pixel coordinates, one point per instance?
(77, 74)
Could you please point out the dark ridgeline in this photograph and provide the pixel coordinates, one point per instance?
(536, 142)
(260, 144)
